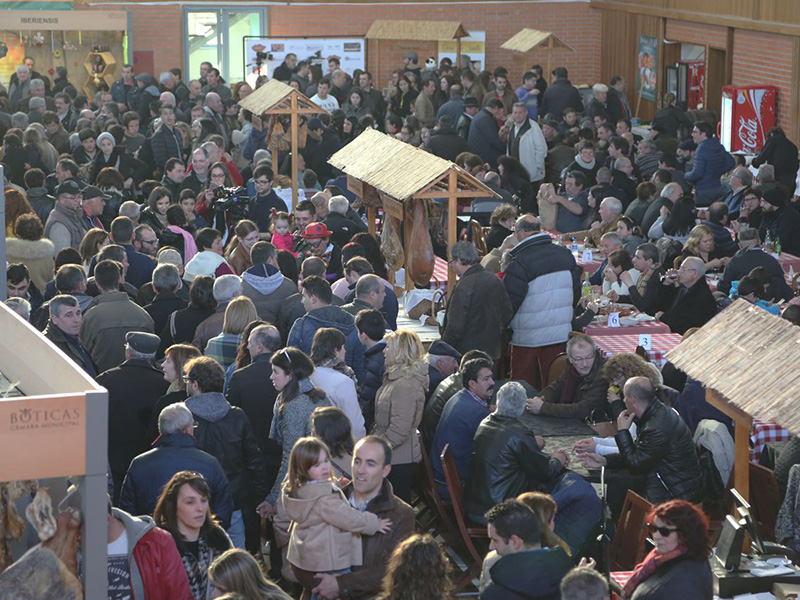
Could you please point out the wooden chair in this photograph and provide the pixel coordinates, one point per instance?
(557, 368)
(765, 500)
(467, 531)
(628, 546)
(428, 490)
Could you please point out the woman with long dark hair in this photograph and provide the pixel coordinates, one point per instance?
(182, 324)
(332, 426)
(183, 510)
(297, 399)
(155, 213)
(401, 102)
(372, 252)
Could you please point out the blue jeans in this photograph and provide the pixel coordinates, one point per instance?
(579, 509)
(236, 530)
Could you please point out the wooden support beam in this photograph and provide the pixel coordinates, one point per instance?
(743, 425)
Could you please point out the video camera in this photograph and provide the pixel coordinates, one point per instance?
(231, 199)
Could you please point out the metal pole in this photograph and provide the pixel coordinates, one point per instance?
(3, 259)
(94, 497)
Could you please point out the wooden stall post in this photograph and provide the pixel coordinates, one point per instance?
(295, 148)
(743, 425)
(452, 219)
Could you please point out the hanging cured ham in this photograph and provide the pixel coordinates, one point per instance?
(420, 251)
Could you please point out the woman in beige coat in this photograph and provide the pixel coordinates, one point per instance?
(31, 249)
(398, 406)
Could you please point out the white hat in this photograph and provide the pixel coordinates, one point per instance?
(600, 88)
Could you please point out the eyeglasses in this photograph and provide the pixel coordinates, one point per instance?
(261, 181)
(664, 531)
(582, 359)
(185, 378)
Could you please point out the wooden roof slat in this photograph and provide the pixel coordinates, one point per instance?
(527, 39)
(422, 31)
(748, 356)
(275, 96)
(395, 168)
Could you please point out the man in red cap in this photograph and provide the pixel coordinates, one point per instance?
(317, 238)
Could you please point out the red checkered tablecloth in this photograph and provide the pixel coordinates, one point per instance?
(662, 343)
(440, 272)
(762, 433)
(652, 327)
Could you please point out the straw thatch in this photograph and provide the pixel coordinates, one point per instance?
(276, 96)
(397, 169)
(748, 356)
(527, 39)
(422, 31)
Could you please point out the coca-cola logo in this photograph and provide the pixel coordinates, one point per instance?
(748, 133)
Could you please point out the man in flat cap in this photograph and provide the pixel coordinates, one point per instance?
(443, 361)
(133, 388)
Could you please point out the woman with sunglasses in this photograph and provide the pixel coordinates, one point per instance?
(297, 399)
(678, 565)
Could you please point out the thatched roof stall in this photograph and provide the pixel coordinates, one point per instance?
(527, 39)
(382, 170)
(277, 98)
(416, 30)
(746, 358)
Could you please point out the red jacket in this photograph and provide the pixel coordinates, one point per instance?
(161, 567)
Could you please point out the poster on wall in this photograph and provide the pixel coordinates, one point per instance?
(473, 46)
(648, 67)
(263, 55)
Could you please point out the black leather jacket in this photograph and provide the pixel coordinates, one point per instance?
(505, 462)
(665, 452)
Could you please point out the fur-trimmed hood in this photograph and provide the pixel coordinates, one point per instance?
(28, 250)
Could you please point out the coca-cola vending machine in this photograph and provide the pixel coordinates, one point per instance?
(748, 113)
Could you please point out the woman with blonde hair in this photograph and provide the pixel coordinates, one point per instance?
(238, 315)
(398, 406)
(701, 244)
(94, 240)
(236, 572)
(418, 570)
(238, 254)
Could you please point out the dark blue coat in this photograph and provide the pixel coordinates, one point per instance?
(484, 139)
(172, 453)
(711, 161)
(460, 419)
(140, 267)
(374, 366)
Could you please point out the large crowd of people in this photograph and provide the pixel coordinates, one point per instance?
(250, 346)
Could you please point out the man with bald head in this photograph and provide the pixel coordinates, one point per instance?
(543, 282)
(686, 297)
(663, 450)
(214, 110)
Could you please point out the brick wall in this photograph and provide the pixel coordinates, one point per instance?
(696, 33)
(766, 59)
(574, 22)
(155, 28)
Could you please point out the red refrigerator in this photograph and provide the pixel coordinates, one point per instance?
(748, 113)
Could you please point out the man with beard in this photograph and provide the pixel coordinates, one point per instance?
(460, 419)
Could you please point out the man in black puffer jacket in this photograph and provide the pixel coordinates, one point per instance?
(663, 451)
(371, 326)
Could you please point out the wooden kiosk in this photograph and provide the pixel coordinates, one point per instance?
(722, 355)
(526, 40)
(56, 427)
(383, 171)
(277, 98)
(416, 31)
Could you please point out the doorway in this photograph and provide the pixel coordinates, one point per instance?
(216, 36)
